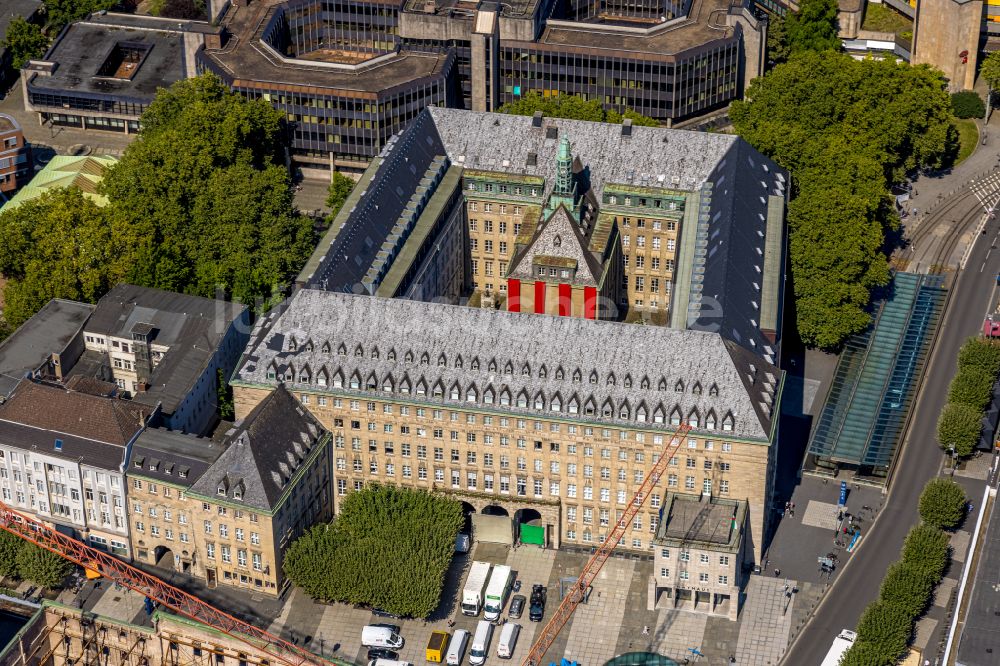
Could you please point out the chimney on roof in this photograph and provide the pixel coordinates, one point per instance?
(627, 127)
(536, 120)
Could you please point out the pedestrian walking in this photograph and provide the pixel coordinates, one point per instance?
(777, 573)
(645, 630)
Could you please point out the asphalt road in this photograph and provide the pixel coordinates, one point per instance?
(973, 295)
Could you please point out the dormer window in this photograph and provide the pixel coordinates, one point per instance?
(341, 350)
(223, 488)
(358, 351)
(526, 370)
(727, 422)
(628, 381)
(374, 353)
(645, 383)
(577, 376)
(442, 361)
(559, 373)
(425, 359)
(391, 355)
(475, 364)
(696, 389)
(58, 445)
(238, 491)
(409, 357)
(713, 390)
(542, 372)
(593, 377)
(610, 380)
(679, 387)
(292, 344)
(508, 369)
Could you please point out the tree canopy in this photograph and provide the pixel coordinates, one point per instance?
(989, 69)
(573, 107)
(24, 41)
(846, 130)
(980, 353)
(59, 13)
(389, 548)
(942, 503)
(813, 27)
(205, 198)
(57, 246)
(340, 188)
(959, 428)
(200, 203)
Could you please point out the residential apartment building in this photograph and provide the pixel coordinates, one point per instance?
(45, 346)
(62, 455)
(539, 417)
(164, 350)
(16, 163)
(354, 72)
(226, 513)
(699, 555)
(570, 218)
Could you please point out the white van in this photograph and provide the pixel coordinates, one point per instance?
(388, 662)
(456, 649)
(481, 643)
(508, 639)
(380, 637)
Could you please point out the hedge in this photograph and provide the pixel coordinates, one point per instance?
(388, 549)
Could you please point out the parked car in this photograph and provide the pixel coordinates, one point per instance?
(516, 606)
(537, 607)
(381, 653)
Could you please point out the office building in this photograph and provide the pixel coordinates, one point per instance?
(541, 417)
(568, 217)
(352, 73)
(225, 513)
(699, 555)
(102, 73)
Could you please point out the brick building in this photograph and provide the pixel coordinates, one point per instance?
(537, 417)
(16, 164)
(225, 513)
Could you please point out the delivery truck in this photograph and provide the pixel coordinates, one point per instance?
(841, 644)
(475, 588)
(496, 591)
(437, 645)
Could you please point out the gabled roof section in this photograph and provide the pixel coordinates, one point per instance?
(67, 171)
(265, 451)
(515, 341)
(557, 237)
(55, 409)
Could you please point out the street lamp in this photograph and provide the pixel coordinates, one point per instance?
(954, 458)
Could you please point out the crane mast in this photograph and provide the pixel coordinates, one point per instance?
(155, 589)
(596, 562)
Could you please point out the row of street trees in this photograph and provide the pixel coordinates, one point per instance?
(886, 626)
(200, 203)
(971, 391)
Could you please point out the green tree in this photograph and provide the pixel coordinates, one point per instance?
(980, 353)
(907, 586)
(59, 13)
(813, 27)
(389, 548)
(573, 107)
(972, 386)
(886, 627)
(224, 395)
(967, 104)
(777, 40)
(56, 246)
(926, 548)
(42, 567)
(24, 41)
(863, 653)
(959, 427)
(846, 130)
(10, 546)
(203, 199)
(989, 69)
(942, 503)
(340, 188)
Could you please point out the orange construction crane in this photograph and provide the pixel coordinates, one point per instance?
(152, 587)
(601, 555)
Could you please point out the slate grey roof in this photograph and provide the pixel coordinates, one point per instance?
(171, 456)
(91, 452)
(381, 344)
(264, 452)
(31, 346)
(558, 236)
(502, 143)
(191, 326)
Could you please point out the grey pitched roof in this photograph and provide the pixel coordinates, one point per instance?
(48, 332)
(501, 142)
(264, 452)
(385, 343)
(172, 457)
(88, 451)
(191, 326)
(558, 236)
